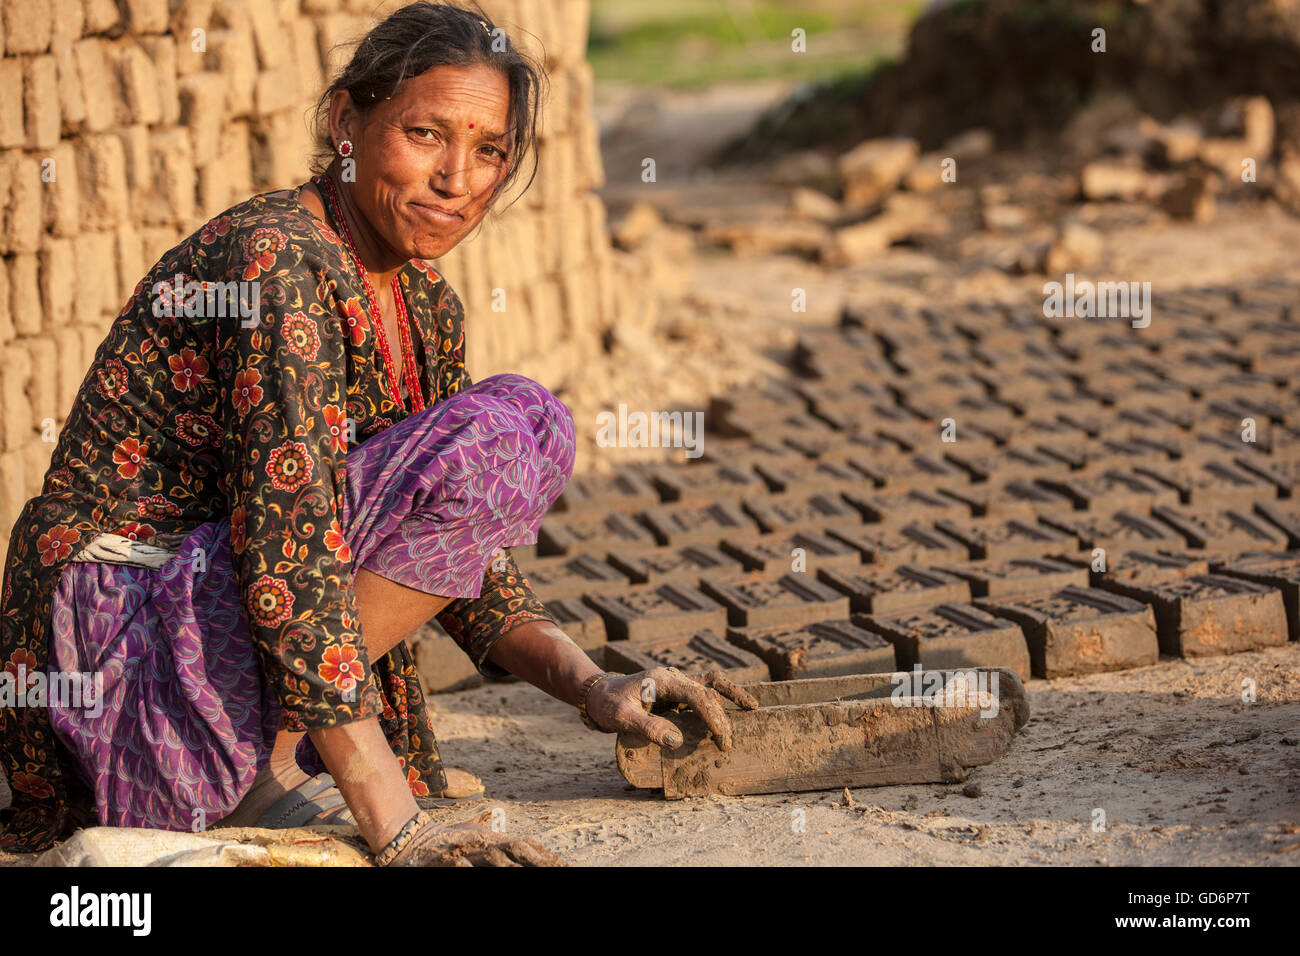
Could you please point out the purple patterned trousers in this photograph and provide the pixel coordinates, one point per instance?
(185, 720)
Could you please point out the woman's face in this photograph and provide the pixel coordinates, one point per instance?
(446, 132)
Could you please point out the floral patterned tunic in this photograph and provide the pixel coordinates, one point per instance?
(185, 418)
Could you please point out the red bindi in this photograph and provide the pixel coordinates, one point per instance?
(471, 125)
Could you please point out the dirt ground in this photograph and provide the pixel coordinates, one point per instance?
(1185, 772)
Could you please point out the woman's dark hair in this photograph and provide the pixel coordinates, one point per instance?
(419, 37)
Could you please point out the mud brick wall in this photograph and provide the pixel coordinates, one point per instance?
(119, 136)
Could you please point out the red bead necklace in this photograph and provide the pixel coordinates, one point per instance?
(409, 371)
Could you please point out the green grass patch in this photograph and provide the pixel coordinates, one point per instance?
(694, 44)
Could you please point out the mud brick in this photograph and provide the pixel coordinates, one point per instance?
(1001, 579)
(905, 429)
(1283, 474)
(881, 589)
(1280, 361)
(752, 424)
(775, 553)
(1224, 419)
(1212, 483)
(592, 533)
(1149, 393)
(1141, 565)
(1006, 537)
(1198, 447)
(683, 564)
(440, 662)
(788, 513)
(1005, 465)
(1017, 498)
(1251, 385)
(1281, 571)
(580, 622)
(746, 452)
(772, 400)
(1283, 515)
(1208, 614)
(1054, 438)
(822, 649)
(840, 447)
(945, 389)
(1145, 423)
(1008, 364)
(1090, 455)
(656, 610)
(797, 426)
(820, 477)
(1271, 294)
(679, 524)
(845, 366)
(970, 410)
(847, 336)
(1275, 409)
(976, 438)
(1225, 529)
(914, 543)
(571, 577)
(1082, 630)
(1116, 531)
(952, 636)
(1255, 561)
(900, 507)
(696, 653)
(1114, 454)
(697, 484)
(901, 332)
(621, 492)
(756, 600)
(1114, 490)
(909, 472)
(822, 397)
(1023, 389)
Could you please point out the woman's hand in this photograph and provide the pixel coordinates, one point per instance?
(622, 703)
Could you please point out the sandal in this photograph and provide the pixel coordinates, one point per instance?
(315, 802)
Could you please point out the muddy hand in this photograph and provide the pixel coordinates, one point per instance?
(623, 704)
(469, 844)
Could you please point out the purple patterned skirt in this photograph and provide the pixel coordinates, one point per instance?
(185, 719)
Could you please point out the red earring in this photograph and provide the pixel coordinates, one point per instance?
(345, 148)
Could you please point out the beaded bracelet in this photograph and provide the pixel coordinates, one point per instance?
(394, 846)
(584, 692)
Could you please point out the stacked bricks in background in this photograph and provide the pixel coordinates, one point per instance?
(125, 124)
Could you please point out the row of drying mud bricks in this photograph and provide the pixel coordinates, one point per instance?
(982, 551)
(119, 136)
